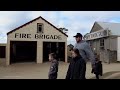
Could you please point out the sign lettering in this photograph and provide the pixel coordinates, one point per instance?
(37, 36)
(98, 34)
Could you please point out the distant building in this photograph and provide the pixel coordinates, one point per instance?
(104, 39)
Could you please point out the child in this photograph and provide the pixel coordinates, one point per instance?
(77, 66)
(98, 67)
(54, 66)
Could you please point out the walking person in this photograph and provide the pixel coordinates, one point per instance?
(53, 67)
(77, 66)
(84, 49)
(98, 67)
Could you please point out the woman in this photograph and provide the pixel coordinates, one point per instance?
(77, 67)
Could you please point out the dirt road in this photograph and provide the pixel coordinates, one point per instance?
(40, 71)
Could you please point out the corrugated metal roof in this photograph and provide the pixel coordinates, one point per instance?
(114, 27)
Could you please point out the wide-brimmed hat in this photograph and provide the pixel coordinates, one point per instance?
(78, 35)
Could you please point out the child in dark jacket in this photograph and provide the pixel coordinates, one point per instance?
(98, 67)
(77, 66)
(54, 66)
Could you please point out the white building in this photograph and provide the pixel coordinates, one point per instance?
(104, 39)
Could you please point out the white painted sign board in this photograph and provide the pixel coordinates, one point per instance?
(97, 34)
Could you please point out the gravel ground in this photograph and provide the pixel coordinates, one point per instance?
(40, 71)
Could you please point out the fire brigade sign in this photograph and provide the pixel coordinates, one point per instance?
(37, 36)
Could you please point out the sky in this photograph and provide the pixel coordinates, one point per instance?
(74, 21)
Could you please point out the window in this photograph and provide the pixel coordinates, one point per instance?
(90, 43)
(39, 28)
(102, 43)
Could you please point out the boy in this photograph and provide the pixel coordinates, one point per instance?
(54, 66)
(98, 67)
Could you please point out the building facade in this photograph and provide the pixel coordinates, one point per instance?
(104, 39)
(2, 51)
(33, 41)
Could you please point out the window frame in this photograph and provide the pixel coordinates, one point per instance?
(42, 27)
(102, 43)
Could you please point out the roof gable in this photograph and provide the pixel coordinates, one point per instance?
(33, 21)
(109, 25)
(96, 27)
(113, 27)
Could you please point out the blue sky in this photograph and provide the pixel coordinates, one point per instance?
(74, 21)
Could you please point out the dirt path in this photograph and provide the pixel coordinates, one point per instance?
(40, 71)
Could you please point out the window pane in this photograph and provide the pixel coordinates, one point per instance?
(39, 27)
(102, 42)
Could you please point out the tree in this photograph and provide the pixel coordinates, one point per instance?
(64, 30)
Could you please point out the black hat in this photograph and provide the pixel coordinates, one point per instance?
(78, 35)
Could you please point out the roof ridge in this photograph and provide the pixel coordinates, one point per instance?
(108, 22)
(33, 21)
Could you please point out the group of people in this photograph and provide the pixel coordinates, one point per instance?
(77, 67)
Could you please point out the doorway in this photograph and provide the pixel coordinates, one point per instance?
(54, 47)
(23, 51)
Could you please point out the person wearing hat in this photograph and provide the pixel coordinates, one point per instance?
(84, 50)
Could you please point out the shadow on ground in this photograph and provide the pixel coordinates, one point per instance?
(107, 74)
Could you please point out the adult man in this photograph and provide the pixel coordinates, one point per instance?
(84, 49)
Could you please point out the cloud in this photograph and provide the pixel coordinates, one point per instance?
(74, 21)
(3, 38)
(83, 21)
(10, 20)
(50, 16)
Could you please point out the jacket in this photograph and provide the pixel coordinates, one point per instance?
(98, 70)
(76, 69)
(86, 51)
(53, 69)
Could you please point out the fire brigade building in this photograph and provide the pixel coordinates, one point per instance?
(33, 41)
(104, 39)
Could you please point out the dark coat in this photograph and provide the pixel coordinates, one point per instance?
(76, 69)
(53, 69)
(98, 70)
